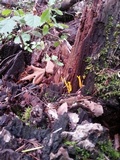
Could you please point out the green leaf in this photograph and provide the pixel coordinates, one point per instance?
(42, 45)
(36, 34)
(34, 46)
(58, 11)
(54, 20)
(29, 49)
(25, 37)
(45, 17)
(54, 58)
(60, 25)
(59, 63)
(45, 29)
(19, 12)
(1, 18)
(51, 24)
(32, 20)
(64, 36)
(7, 25)
(47, 58)
(51, 2)
(6, 12)
(64, 25)
(37, 45)
(16, 18)
(56, 44)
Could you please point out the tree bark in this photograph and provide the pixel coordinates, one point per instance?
(91, 37)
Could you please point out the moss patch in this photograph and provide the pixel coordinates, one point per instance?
(106, 63)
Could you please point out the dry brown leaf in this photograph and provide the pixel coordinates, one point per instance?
(38, 78)
(50, 67)
(37, 75)
(62, 109)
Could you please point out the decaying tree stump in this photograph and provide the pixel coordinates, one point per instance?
(92, 37)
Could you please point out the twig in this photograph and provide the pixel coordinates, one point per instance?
(20, 148)
(117, 141)
(25, 91)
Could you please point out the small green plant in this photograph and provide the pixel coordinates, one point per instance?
(101, 157)
(102, 151)
(50, 97)
(26, 115)
(107, 84)
(104, 64)
(80, 153)
(27, 28)
(107, 150)
(53, 58)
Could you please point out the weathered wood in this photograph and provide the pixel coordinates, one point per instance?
(91, 36)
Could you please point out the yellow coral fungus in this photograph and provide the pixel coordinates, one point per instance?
(80, 81)
(67, 84)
